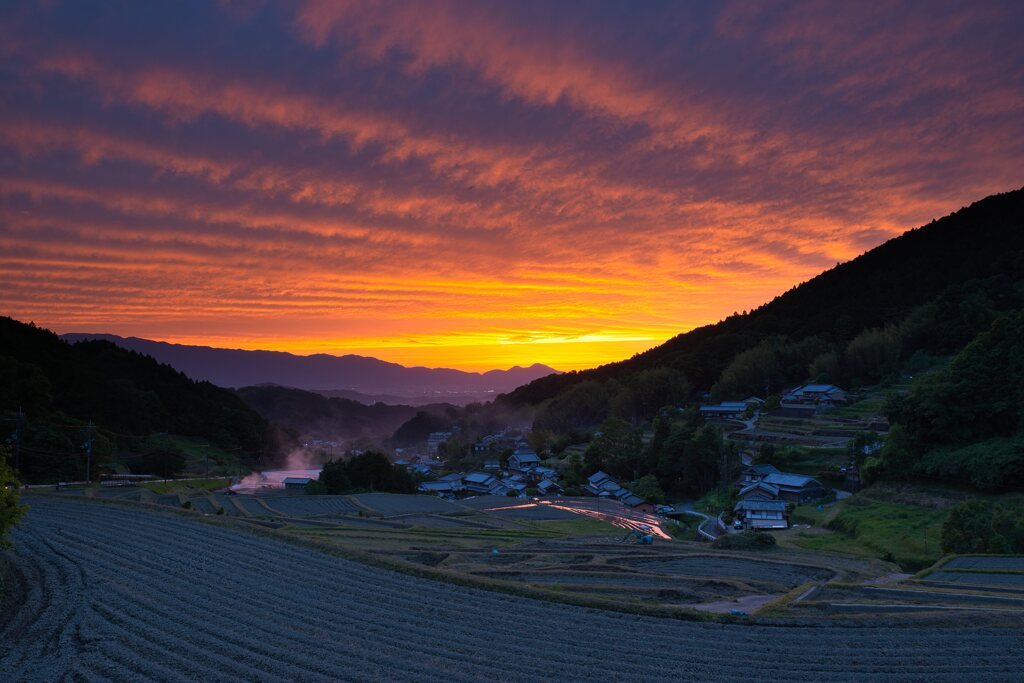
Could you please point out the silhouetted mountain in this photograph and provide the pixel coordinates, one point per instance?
(965, 267)
(238, 368)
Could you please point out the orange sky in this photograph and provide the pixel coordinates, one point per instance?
(478, 185)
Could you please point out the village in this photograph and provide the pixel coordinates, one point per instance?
(764, 494)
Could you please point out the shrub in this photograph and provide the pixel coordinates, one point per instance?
(747, 540)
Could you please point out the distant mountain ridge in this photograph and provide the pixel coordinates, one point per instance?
(323, 372)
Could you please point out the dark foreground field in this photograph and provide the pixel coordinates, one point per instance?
(113, 593)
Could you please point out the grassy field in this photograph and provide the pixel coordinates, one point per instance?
(905, 534)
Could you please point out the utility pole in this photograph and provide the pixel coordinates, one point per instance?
(88, 452)
(17, 443)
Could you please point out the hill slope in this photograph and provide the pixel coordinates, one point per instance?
(980, 247)
(60, 387)
(314, 416)
(238, 368)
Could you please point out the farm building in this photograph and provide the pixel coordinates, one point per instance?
(299, 483)
(762, 514)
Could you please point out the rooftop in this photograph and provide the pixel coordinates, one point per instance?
(786, 479)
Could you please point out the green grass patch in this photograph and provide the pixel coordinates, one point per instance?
(809, 514)
(905, 534)
(715, 501)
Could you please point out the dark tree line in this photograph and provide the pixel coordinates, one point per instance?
(370, 471)
(52, 391)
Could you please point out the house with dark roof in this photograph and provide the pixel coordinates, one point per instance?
(753, 473)
(296, 482)
(795, 488)
(479, 482)
(827, 394)
(601, 484)
(442, 488)
(762, 514)
(523, 459)
(546, 487)
(727, 410)
(759, 490)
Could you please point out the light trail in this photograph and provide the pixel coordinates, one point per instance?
(620, 516)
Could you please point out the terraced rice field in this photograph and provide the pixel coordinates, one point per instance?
(308, 506)
(1008, 564)
(754, 570)
(390, 504)
(979, 579)
(113, 593)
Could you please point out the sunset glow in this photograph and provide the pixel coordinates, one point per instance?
(478, 185)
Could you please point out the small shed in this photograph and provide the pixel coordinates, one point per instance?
(299, 483)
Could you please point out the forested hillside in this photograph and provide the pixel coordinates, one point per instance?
(52, 391)
(923, 294)
(314, 416)
(966, 422)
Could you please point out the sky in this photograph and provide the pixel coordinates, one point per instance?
(478, 184)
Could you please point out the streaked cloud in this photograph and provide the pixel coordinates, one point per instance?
(478, 184)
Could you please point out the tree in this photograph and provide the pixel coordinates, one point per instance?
(618, 450)
(334, 477)
(647, 487)
(162, 457)
(581, 406)
(979, 527)
(10, 510)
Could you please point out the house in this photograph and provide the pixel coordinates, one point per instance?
(442, 488)
(510, 485)
(535, 474)
(422, 469)
(795, 488)
(522, 459)
(762, 514)
(546, 487)
(756, 472)
(298, 483)
(479, 482)
(827, 394)
(454, 476)
(601, 483)
(492, 465)
(759, 490)
(727, 410)
(753, 402)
